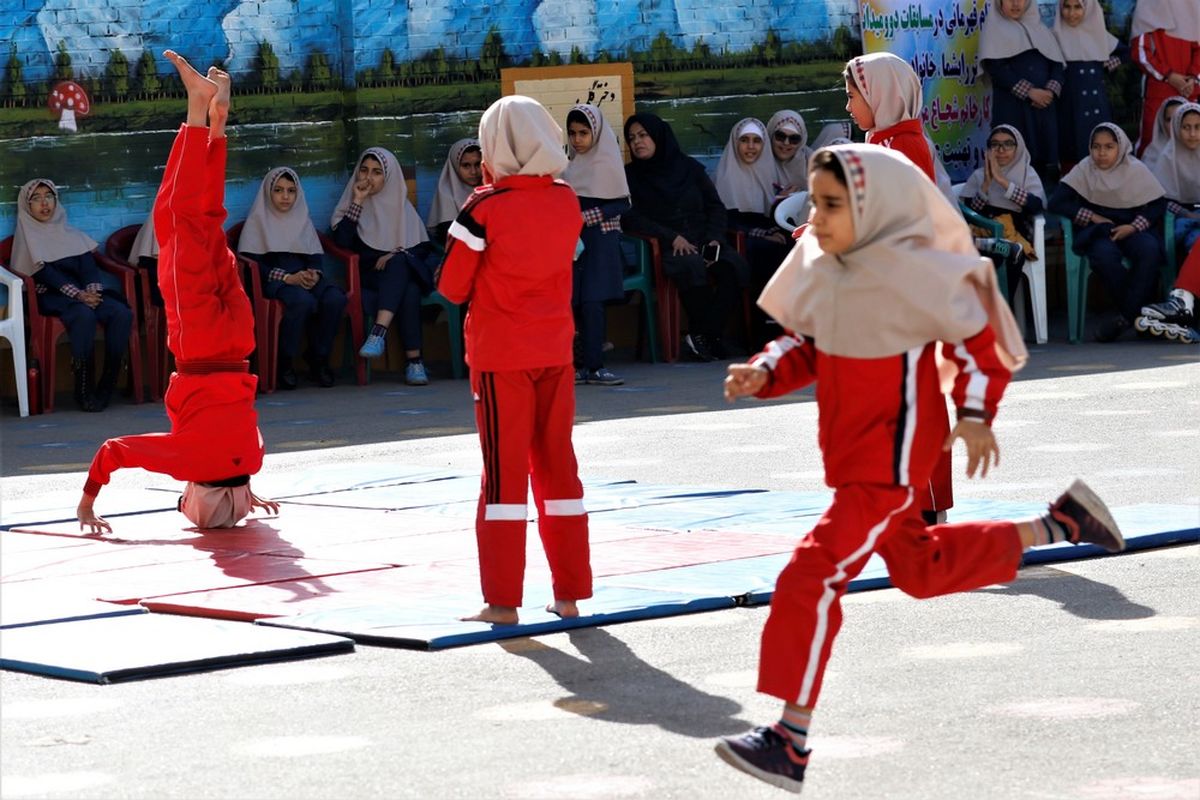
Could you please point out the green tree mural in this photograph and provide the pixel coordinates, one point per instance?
(146, 82)
(62, 63)
(492, 56)
(266, 64)
(116, 76)
(319, 75)
(14, 81)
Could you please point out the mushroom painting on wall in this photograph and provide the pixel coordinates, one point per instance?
(68, 100)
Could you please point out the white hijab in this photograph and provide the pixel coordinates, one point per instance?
(1178, 170)
(794, 172)
(1127, 184)
(830, 133)
(1177, 18)
(600, 172)
(1087, 41)
(145, 244)
(1020, 172)
(1002, 37)
(36, 243)
(388, 220)
(1162, 132)
(451, 191)
(519, 137)
(268, 230)
(742, 186)
(913, 270)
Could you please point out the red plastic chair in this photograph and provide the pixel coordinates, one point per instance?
(44, 331)
(117, 247)
(268, 313)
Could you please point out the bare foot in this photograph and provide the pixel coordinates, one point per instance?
(498, 615)
(200, 90)
(564, 608)
(218, 107)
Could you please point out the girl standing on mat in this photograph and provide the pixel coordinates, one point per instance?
(881, 428)
(509, 254)
(214, 443)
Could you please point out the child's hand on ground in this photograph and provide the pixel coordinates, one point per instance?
(981, 445)
(270, 506)
(87, 518)
(744, 380)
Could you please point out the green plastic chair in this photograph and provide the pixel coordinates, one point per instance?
(995, 230)
(642, 280)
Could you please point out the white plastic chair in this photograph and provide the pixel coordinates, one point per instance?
(12, 328)
(1035, 278)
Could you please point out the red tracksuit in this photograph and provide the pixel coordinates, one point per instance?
(210, 330)
(881, 426)
(1158, 55)
(908, 137)
(509, 253)
(1188, 278)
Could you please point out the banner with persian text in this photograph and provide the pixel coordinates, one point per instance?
(939, 39)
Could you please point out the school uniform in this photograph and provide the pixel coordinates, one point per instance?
(214, 436)
(451, 192)
(1178, 170)
(1091, 52)
(1166, 39)
(509, 254)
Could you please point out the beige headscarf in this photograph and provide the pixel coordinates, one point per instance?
(519, 137)
(1002, 37)
(36, 243)
(1087, 41)
(829, 134)
(742, 186)
(1162, 132)
(913, 271)
(267, 230)
(215, 506)
(1127, 184)
(600, 172)
(1020, 172)
(1177, 18)
(1178, 169)
(145, 244)
(451, 191)
(795, 171)
(388, 220)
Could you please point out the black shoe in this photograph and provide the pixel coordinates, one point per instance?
(84, 391)
(324, 376)
(1111, 330)
(1086, 518)
(767, 755)
(287, 378)
(696, 347)
(106, 385)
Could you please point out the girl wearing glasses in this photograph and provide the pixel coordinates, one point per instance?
(789, 147)
(1091, 52)
(1026, 66)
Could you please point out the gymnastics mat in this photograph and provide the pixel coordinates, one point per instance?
(133, 647)
(434, 625)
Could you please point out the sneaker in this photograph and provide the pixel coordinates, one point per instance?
(1167, 330)
(696, 347)
(414, 374)
(1111, 330)
(1087, 519)
(372, 347)
(1172, 310)
(604, 377)
(767, 755)
(581, 376)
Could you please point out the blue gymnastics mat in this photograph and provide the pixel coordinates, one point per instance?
(126, 648)
(434, 625)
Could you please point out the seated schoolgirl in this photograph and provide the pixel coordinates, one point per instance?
(461, 174)
(747, 181)
(1162, 130)
(374, 219)
(279, 235)
(597, 174)
(1026, 67)
(675, 202)
(1115, 206)
(1091, 52)
(69, 286)
(1178, 170)
(788, 137)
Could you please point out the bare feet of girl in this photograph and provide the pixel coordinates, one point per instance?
(200, 90)
(497, 615)
(218, 108)
(564, 608)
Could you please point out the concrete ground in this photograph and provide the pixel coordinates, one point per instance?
(1076, 681)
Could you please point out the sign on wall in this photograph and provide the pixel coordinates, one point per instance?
(609, 87)
(939, 38)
